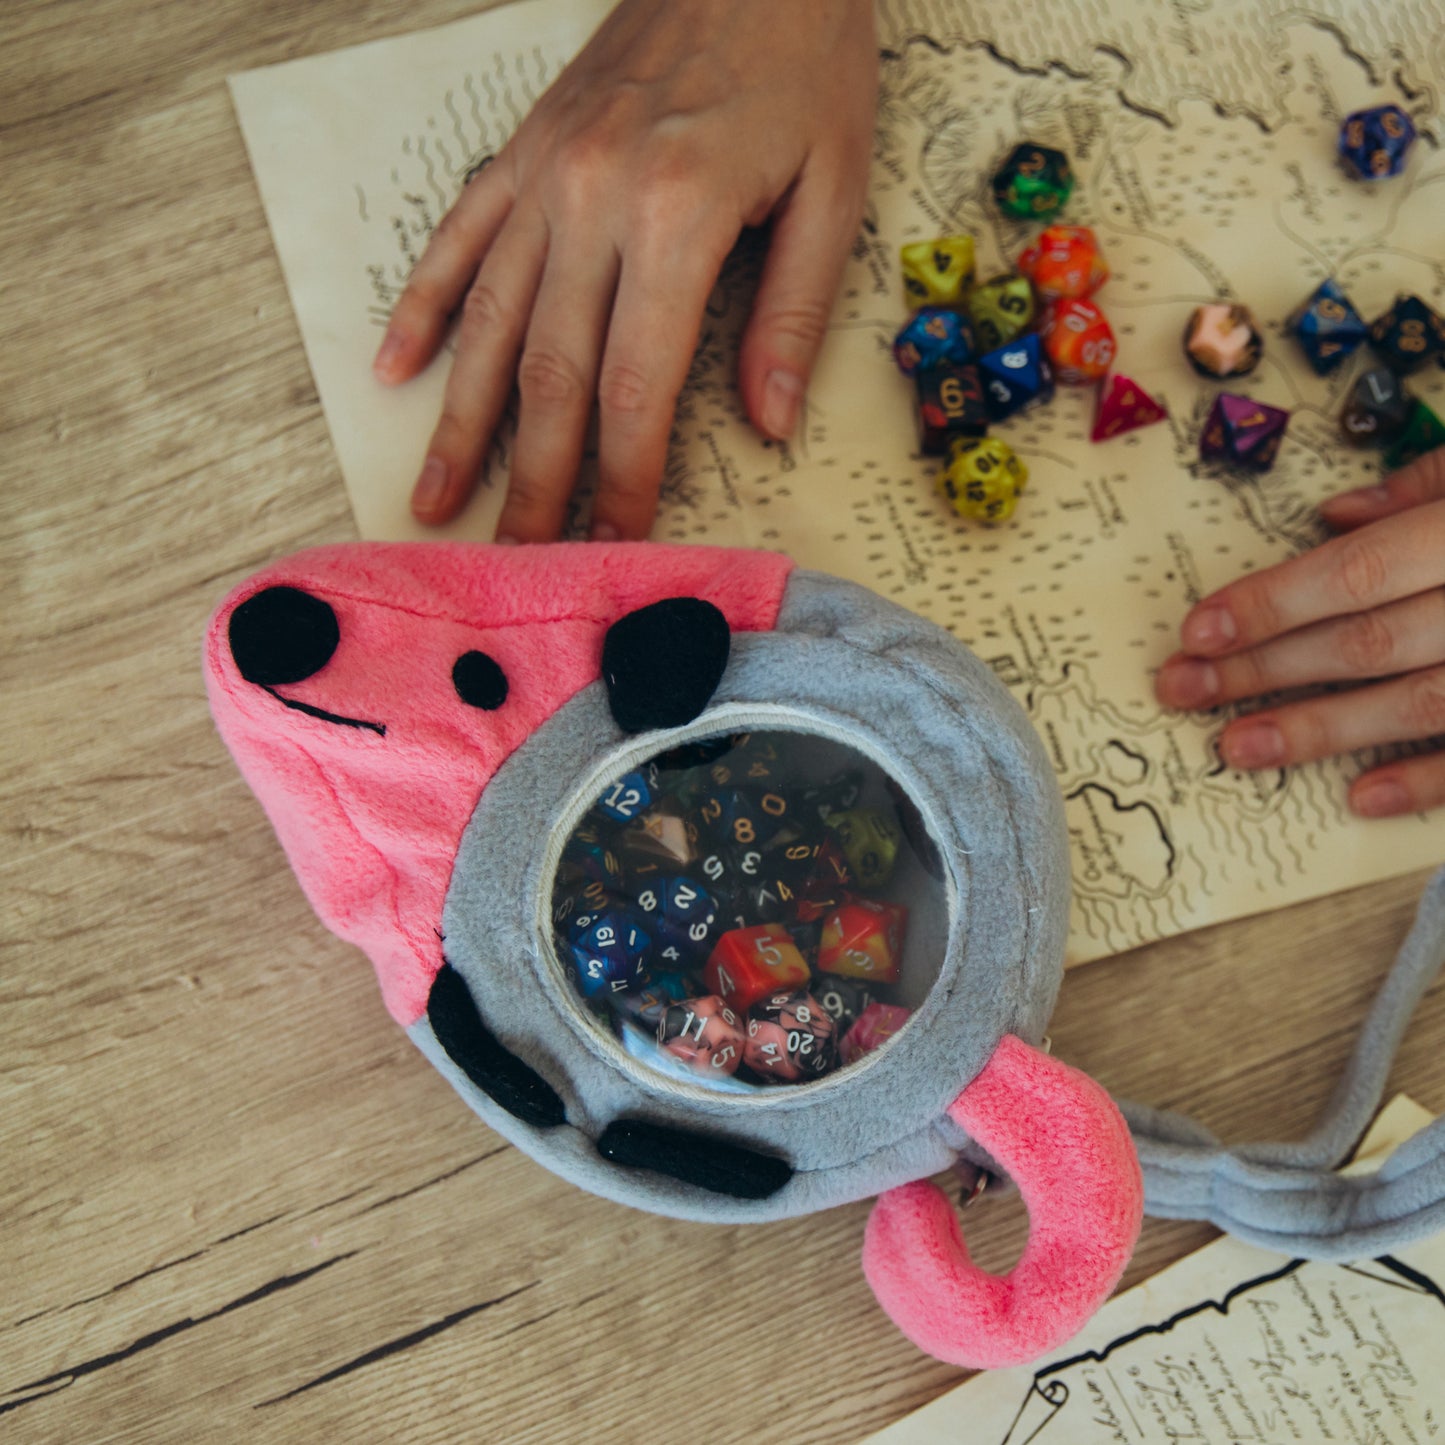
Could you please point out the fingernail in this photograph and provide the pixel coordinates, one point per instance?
(1209, 628)
(502, 539)
(387, 356)
(1362, 499)
(1381, 799)
(1253, 745)
(430, 487)
(1187, 682)
(604, 532)
(781, 394)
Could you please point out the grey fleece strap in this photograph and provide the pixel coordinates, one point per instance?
(1285, 1197)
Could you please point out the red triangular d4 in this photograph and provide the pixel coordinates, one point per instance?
(1123, 405)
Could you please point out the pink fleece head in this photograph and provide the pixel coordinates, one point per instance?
(370, 767)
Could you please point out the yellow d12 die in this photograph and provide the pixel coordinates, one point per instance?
(939, 272)
(983, 479)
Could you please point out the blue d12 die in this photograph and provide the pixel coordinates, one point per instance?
(1375, 142)
(611, 956)
(1328, 327)
(933, 336)
(630, 795)
(1015, 376)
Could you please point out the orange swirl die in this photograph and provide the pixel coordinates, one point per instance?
(1078, 340)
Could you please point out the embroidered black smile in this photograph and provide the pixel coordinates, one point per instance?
(320, 712)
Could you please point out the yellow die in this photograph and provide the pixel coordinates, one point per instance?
(939, 272)
(983, 479)
(869, 839)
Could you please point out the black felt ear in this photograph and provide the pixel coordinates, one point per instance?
(711, 1164)
(663, 662)
(481, 1056)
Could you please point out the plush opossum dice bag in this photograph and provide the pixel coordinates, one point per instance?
(731, 891)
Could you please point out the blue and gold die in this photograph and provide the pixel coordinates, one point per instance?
(1375, 143)
(1328, 328)
(933, 336)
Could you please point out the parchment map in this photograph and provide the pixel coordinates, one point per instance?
(1231, 1345)
(1203, 134)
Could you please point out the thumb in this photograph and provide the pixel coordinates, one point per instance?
(813, 231)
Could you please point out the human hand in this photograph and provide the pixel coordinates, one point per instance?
(582, 257)
(1366, 605)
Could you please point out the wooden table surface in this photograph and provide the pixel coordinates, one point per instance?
(235, 1203)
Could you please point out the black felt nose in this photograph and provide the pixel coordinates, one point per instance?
(282, 635)
(663, 662)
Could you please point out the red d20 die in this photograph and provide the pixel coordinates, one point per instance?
(1078, 340)
(1124, 405)
(1064, 261)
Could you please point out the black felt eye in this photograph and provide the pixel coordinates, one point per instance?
(479, 680)
(282, 635)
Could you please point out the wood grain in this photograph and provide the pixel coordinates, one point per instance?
(235, 1203)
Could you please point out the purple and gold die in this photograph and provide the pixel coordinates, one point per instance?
(950, 405)
(1327, 327)
(1242, 432)
(983, 479)
(1222, 340)
(790, 1038)
(611, 956)
(1015, 377)
(1375, 143)
(704, 1033)
(937, 272)
(933, 336)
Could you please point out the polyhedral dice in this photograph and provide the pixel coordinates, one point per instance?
(751, 761)
(1242, 432)
(939, 272)
(832, 795)
(842, 999)
(645, 1006)
(1078, 341)
(1065, 261)
(630, 795)
(611, 956)
(864, 939)
(1015, 376)
(744, 817)
(1408, 335)
(1328, 327)
(1378, 408)
(663, 839)
(875, 1026)
(869, 839)
(775, 888)
(1222, 340)
(1034, 181)
(1000, 310)
(828, 886)
(790, 1038)
(983, 479)
(1375, 142)
(1423, 432)
(747, 963)
(932, 337)
(950, 404)
(683, 919)
(704, 1033)
(589, 855)
(1123, 406)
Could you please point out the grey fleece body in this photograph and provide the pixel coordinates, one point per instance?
(845, 664)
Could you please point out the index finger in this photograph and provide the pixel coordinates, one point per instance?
(1384, 562)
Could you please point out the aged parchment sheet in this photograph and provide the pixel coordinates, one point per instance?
(1232, 1344)
(1203, 133)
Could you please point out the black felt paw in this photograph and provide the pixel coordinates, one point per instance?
(663, 662)
(694, 1159)
(281, 635)
(481, 1056)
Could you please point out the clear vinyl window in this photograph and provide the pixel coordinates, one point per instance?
(751, 910)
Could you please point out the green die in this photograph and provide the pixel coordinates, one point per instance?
(869, 839)
(983, 479)
(1034, 181)
(1423, 433)
(1001, 310)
